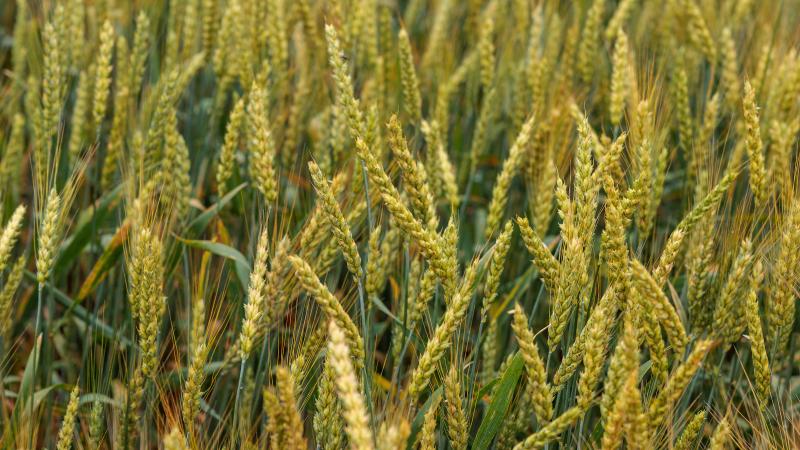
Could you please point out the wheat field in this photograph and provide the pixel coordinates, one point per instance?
(399, 224)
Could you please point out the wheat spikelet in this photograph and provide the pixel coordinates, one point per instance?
(262, 146)
(419, 303)
(353, 409)
(328, 418)
(153, 148)
(294, 423)
(620, 78)
(755, 154)
(757, 346)
(443, 335)
(117, 134)
(543, 198)
(446, 90)
(338, 225)
(487, 116)
(344, 86)
(96, 425)
(781, 304)
(624, 409)
(427, 240)
(486, 49)
(7, 296)
(710, 120)
(672, 391)
(585, 190)
(782, 135)
(10, 234)
(130, 418)
(601, 316)
(65, 434)
(594, 352)
(654, 341)
(52, 89)
(664, 310)
(649, 203)
(314, 231)
(729, 320)
(427, 440)
(12, 157)
(102, 80)
(416, 180)
(438, 34)
(49, 234)
(688, 436)
(552, 430)
(710, 201)
(589, 40)
(618, 19)
(496, 263)
(699, 34)
(447, 173)
(456, 420)
(138, 56)
(174, 173)
(254, 304)
(79, 114)
(393, 436)
(408, 75)
(510, 168)
(227, 152)
(333, 309)
(623, 362)
(537, 387)
(192, 392)
(276, 36)
(700, 309)
(613, 246)
(679, 90)
(489, 352)
(175, 441)
(721, 435)
(544, 260)
(147, 299)
(730, 69)
(382, 256)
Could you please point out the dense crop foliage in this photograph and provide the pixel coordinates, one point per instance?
(399, 224)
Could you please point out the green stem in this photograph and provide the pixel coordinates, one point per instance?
(367, 352)
(37, 328)
(237, 402)
(365, 322)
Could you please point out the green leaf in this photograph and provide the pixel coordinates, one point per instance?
(40, 395)
(240, 262)
(104, 264)
(384, 309)
(206, 408)
(27, 383)
(416, 425)
(92, 397)
(83, 315)
(498, 408)
(487, 388)
(86, 228)
(199, 223)
(175, 377)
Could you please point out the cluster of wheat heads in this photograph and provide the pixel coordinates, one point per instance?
(399, 224)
